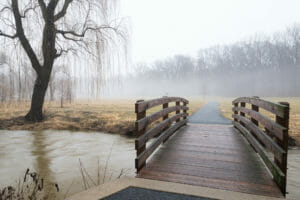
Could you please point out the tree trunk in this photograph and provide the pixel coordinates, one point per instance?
(51, 90)
(35, 113)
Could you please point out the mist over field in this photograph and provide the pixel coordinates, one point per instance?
(260, 66)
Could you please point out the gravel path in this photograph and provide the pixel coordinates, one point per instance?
(209, 114)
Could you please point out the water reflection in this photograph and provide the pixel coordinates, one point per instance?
(42, 161)
(55, 155)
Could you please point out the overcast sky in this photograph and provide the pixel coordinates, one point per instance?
(162, 28)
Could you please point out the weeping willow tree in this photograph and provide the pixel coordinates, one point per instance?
(57, 31)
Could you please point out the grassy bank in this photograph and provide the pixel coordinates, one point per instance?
(226, 109)
(112, 116)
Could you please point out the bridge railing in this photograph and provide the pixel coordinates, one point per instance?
(144, 125)
(267, 136)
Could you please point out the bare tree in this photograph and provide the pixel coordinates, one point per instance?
(64, 26)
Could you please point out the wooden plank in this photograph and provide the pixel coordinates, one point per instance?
(263, 137)
(273, 127)
(144, 122)
(278, 175)
(237, 186)
(193, 157)
(140, 141)
(211, 172)
(240, 168)
(274, 108)
(143, 157)
(142, 106)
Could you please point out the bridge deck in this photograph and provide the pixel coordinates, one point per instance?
(212, 156)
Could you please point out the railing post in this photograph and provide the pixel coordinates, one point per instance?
(254, 108)
(283, 121)
(184, 111)
(243, 104)
(177, 110)
(165, 105)
(236, 112)
(139, 115)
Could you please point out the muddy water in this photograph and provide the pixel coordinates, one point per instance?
(55, 155)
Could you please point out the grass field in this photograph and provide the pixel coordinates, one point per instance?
(226, 109)
(112, 116)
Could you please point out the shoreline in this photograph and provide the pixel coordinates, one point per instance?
(99, 125)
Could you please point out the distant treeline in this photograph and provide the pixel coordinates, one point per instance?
(260, 66)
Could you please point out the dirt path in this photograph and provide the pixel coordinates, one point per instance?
(209, 114)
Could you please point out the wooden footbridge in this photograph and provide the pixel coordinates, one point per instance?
(249, 156)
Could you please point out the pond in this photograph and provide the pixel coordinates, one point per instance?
(56, 156)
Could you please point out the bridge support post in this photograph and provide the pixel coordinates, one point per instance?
(256, 109)
(254, 121)
(236, 112)
(139, 115)
(177, 110)
(241, 113)
(166, 105)
(283, 121)
(184, 111)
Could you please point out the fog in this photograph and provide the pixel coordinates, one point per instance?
(262, 65)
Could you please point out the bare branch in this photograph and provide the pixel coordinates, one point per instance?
(28, 9)
(5, 8)
(8, 36)
(24, 41)
(43, 8)
(64, 51)
(63, 12)
(82, 34)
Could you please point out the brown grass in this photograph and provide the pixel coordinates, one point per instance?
(31, 187)
(226, 109)
(112, 116)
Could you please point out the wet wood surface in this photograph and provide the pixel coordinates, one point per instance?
(214, 156)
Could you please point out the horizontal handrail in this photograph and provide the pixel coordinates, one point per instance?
(157, 129)
(277, 173)
(263, 137)
(141, 159)
(274, 137)
(163, 129)
(142, 123)
(275, 108)
(273, 127)
(141, 106)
